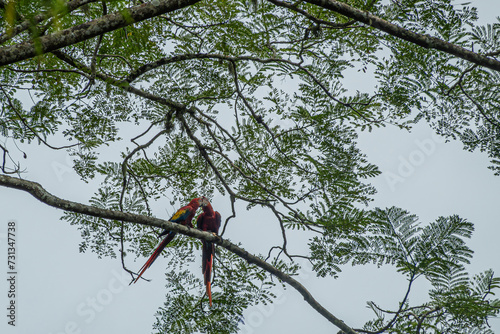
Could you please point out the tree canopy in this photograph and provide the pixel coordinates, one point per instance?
(250, 100)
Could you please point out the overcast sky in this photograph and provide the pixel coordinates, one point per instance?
(63, 291)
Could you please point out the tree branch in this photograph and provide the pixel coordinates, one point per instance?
(68, 7)
(396, 314)
(481, 110)
(120, 84)
(37, 191)
(22, 51)
(127, 158)
(294, 7)
(25, 123)
(425, 41)
(190, 56)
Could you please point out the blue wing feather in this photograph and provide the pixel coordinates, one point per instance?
(180, 215)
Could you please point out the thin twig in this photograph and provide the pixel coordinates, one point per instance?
(21, 118)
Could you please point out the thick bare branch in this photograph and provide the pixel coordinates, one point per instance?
(295, 8)
(425, 41)
(68, 7)
(37, 191)
(82, 32)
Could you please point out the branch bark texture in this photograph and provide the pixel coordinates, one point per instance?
(37, 191)
(425, 41)
(110, 22)
(69, 7)
(85, 31)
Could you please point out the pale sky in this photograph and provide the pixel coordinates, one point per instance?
(63, 291)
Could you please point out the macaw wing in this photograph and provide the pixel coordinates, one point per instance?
(181, 214)
(179, 217)
(200, 220)
(217, 222)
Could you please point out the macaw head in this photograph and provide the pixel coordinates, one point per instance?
(203, 201)
(197, 202)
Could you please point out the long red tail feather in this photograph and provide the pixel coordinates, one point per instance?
(155, 254)
(208, 248)
(209, 293)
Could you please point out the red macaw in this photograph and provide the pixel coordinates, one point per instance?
(208, 221)
(183, 216)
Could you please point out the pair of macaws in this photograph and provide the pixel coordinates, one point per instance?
(209, 221)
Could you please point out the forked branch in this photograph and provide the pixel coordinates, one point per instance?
(37, 191)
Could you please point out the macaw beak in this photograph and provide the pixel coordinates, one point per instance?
(203, 201)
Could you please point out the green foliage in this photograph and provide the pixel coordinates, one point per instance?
(255, 102)
(459, 305)
(436, 251)
(393, 236)
(466, 302)
(236, 286)
(457, 99)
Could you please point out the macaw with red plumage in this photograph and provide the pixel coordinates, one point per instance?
(183, 216)
(208, 221)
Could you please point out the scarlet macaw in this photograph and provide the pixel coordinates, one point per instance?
(183, 216)
(208, 221)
